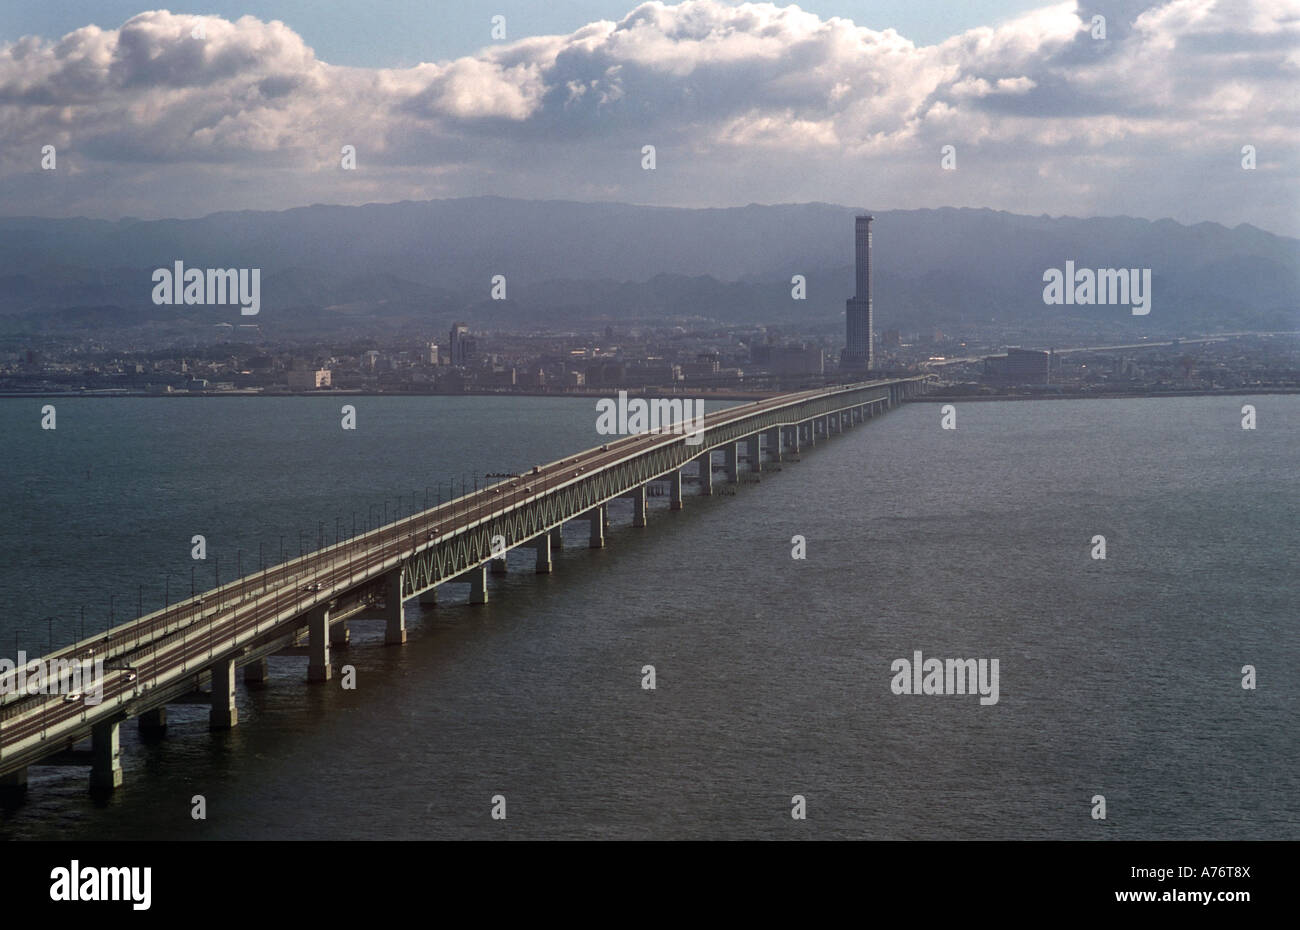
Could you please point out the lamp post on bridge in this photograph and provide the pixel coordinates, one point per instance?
(167, 591)
(44, 704)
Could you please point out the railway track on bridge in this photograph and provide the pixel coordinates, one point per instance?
(177, 649)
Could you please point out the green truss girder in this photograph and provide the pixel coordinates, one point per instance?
(519, 523)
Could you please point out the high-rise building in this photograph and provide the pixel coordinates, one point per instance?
(859, 349)
(458, 348)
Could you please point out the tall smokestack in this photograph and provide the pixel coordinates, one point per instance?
(859, 348)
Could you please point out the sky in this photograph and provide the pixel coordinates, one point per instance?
(1030, 107)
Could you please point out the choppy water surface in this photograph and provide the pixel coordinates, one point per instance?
(1118, 677)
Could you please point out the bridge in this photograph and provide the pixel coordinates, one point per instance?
(189, 652)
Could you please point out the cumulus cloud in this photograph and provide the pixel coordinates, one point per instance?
(747, 102)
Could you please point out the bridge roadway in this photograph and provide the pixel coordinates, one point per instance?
(168, 656)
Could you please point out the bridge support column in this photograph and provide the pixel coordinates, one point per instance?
(255, 673)
(557, 537)
(774, 443)
(795, 436)
(394, 617)
(153, 723)
(224, 714)
(105, 757)
(499, 566)
(638, 506)
(429, 598)
(732, 460)
(812, 433)
(339, 635)
(318, 647)
(675, 490)
(543, 546)
(754, 451)
(705, 461)
(596, 515)
(478, 592)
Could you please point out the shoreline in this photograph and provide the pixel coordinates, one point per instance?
(1232, 392)
(691, 395)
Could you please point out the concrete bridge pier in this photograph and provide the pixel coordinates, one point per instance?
(105, 757)
(478, 589)
(543, 546)
(754, 451)
(732, 460)
(318, 647)
(255, 673)
(774, 443)
(499, 566)
(675, 490)
(429, 598)
(224, 714)
(154, 722)
(705, 462)
(596, 516)
(339, 635)
(394, 616)
(557, 537)
(794, 438)
(638, 506)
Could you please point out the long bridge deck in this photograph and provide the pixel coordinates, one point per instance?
(169, 656)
